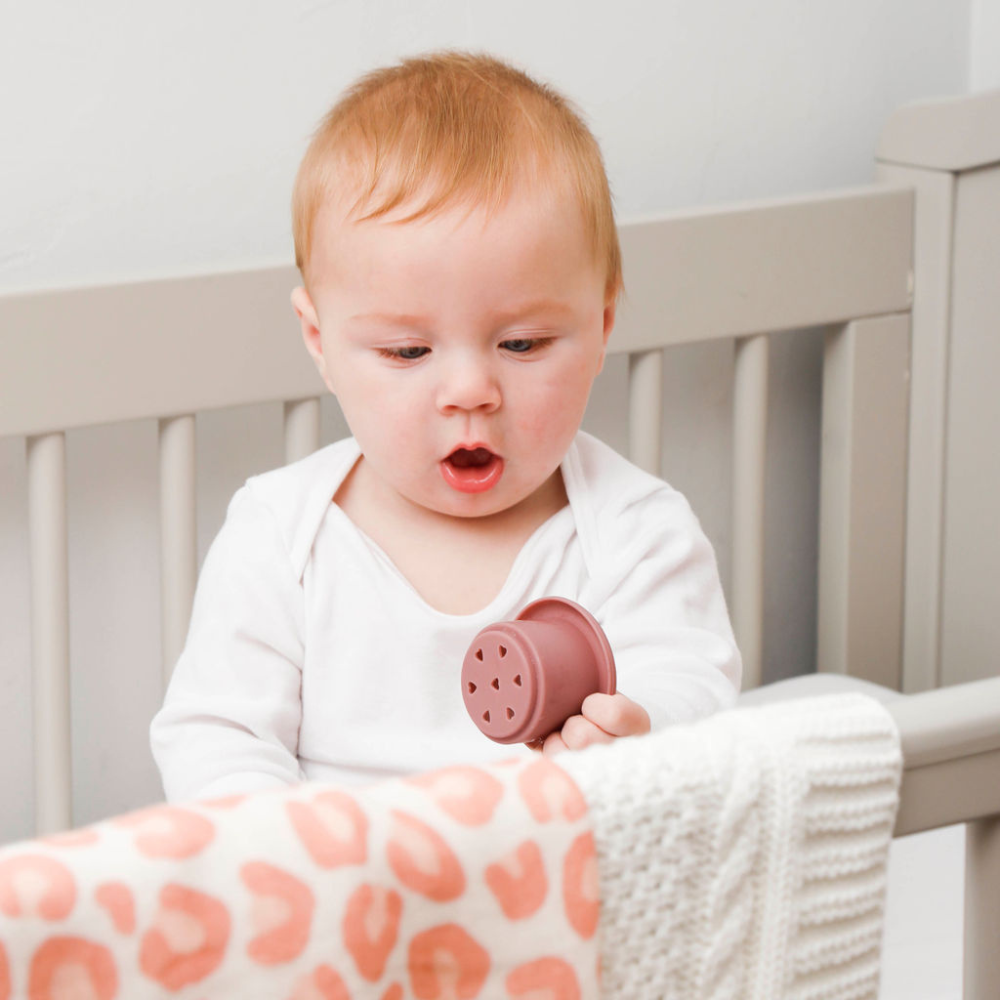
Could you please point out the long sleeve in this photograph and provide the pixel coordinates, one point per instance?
(230, 720)
(665, 613)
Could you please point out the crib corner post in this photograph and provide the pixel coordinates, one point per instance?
(981, 960)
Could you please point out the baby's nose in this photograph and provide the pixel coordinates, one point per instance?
(469, 385)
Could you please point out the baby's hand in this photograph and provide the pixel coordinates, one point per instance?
(602, 718)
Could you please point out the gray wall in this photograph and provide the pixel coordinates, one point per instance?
(144, 140)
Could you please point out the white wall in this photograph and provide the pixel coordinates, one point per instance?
(142, 139)
(984, 52)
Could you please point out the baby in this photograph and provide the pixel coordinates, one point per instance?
(460, 266)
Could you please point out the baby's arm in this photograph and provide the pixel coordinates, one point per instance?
(230, 719)
(665, 616)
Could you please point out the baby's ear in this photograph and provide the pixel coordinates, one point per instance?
(610, 308)
(609, 325)
(306, 311)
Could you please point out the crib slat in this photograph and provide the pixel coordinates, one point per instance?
(50, 630)
(749, 457)
(862, 511)
(645, 415)
(178, 540)
(301, 428)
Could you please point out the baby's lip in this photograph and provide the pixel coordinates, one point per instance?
(472, 468)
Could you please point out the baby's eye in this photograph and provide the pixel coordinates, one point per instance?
(524, 345)
(404, 353)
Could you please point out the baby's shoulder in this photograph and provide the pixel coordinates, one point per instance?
(623, 510)
(297, 497)
(612, 483)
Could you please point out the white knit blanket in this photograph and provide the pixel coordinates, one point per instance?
(745, 856)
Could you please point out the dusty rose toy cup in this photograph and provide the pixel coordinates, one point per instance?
(522, 680)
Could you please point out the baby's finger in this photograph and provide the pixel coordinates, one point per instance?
(616, 714)
(553, 744)
(578, 732)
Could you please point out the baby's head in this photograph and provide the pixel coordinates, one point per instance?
(446, 130)
(454, 231)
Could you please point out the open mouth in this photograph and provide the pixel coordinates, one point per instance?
(472, 470)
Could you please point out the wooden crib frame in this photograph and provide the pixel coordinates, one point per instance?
(860, 262)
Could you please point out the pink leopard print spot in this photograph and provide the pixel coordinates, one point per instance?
(323, 983)
(445, 963)
(169, 832)
(4, 975)
(188, 940)
(518, 881)
(394, 992)
(544, 979)
(422, 860)
(581, 895)
(333, 828)
(36, 885)
(371, 925)
(65, 967)
(550, 793)
(282, 913)
(117, 899)
(467, 794)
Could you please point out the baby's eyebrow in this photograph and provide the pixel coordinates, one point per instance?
(389, 319)
(547, 306)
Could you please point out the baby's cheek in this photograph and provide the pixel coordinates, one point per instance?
(548, 410)
(546, 434)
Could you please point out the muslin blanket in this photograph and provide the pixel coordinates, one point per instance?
(466, 882)
(740, 857)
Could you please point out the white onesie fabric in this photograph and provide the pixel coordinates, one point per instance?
(310, 656)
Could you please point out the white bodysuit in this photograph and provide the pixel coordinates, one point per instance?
(310, 656)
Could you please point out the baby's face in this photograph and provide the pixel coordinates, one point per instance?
(461, 346)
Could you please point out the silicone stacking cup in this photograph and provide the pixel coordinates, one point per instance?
(522, 680)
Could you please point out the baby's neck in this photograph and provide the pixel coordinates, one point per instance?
(457, 565)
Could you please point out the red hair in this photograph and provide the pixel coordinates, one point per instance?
(446, 129)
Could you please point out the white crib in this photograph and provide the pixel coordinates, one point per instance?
(875, 266)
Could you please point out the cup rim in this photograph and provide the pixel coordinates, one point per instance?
(561, 610)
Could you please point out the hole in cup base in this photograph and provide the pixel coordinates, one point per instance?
(503, 652)
(472, 688)
(479, 655)
(486, 716)
(495, 684)
(510, 713)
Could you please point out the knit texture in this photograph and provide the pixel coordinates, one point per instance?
(744, 856)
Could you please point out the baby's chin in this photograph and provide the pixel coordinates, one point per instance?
(473, 507)
(468, 507)
(509, 499)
